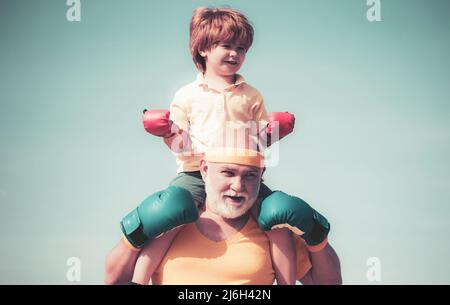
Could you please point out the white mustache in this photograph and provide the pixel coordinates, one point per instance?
(234, 195)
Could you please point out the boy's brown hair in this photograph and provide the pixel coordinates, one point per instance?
(210, 26)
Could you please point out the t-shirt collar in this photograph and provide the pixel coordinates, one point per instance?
(239, 81)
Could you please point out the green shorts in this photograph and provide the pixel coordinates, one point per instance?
(193, 182)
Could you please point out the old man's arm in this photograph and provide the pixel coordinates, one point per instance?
(281, 209)
(157, 214)
(325, 268)
(119, 264)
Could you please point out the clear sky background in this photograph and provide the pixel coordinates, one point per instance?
(370, 149)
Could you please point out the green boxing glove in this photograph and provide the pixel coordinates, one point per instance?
(280, 209)
(158, 214)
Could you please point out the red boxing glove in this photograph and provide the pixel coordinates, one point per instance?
(285, 122)
(157, 122)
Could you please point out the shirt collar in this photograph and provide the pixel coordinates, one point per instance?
(239, 81)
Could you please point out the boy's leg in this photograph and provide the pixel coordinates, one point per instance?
(193, 182)
(282, 246)
(282, 250)
(284, 256)
(151, 256)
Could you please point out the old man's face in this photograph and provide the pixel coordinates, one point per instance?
(231, 189)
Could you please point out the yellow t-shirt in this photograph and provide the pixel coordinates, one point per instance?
(209, 116)
(243, 259)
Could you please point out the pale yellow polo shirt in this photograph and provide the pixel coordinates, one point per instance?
(206, 113)
(242, 259)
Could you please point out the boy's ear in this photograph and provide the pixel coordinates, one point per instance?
(204, 53)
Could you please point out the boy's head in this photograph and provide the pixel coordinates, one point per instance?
(209, 26)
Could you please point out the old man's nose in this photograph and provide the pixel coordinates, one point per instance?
(237, 184)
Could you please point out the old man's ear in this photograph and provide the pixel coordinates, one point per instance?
(203, 168)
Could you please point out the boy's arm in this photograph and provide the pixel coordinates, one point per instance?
(179, 141)
(273, 126)
(280, 125)
(157, 123)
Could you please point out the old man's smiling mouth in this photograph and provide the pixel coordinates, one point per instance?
(235, 199)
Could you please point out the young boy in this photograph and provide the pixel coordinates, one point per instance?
(199, 114)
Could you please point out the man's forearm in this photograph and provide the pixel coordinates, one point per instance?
(119, 265)
(326, 268)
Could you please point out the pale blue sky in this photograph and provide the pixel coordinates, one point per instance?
(370, 149)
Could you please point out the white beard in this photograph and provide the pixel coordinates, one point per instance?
(225, 210)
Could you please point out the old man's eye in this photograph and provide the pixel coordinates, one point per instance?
(251, 176)
(227, 173)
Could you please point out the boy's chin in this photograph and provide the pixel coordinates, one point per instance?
(230, 70)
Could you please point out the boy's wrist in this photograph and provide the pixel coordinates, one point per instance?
(169, 135)
(173, 130)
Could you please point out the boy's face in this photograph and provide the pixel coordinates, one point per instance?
(224, 58)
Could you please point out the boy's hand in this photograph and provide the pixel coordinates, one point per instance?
(157, 122)
(285, 122)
